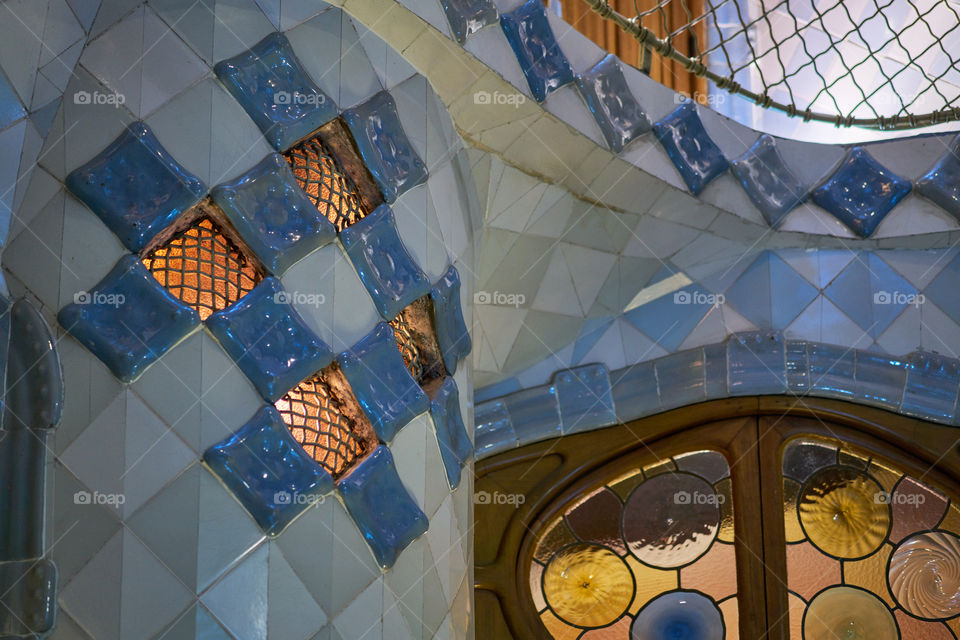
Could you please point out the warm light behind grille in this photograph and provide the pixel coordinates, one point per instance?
(417, 342)
(327, 185)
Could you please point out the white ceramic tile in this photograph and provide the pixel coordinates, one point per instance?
(293, 12)
(809, 218)
(913, 157)
(33, 256)
(239, 600)
(452, 216)
(588, 269)
(439, 537)
(938, 332)
(60, 30)
(353, 313)
(411, 98)
(311, 283)
(239, 25)
(915, 215)
(490, 46)
(151, 597)
(292, 611)
(358, 80)
(580, 51)
(918, 267)
(227, 398)
(93, 597)
(389, 65)
(19, 46)
(271, 9)
(394, 626)
(438, 259)
(183, 126)
(410, 214)
(236, 142)
(567, 104)
(317, 45)
(169, 66)
(409, 455)
(361, 620)
(904, 334)
(114, 58)
(92, 389)
(109, 13)
(193, 22)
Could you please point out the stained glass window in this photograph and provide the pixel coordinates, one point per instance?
(648, 555)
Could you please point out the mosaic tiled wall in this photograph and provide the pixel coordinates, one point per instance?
(181, 503)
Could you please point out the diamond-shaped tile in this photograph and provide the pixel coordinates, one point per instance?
(668, 318)
(271, 475)
(695, 155)
(455, 446)
(452, 333)
(769, 183)
(769, 293)
(943, 290)
(269, 340)
(239, 600)
(535, 45)
(942, 183)
(384, 145)
(861, 192)
(128, 320)
(383, 263)
(270, 84)
(381, 382)
(135, 186)
(585, 398)
(273, 214)
(466, 17)
(871, 293)
(381, 507)
(292, 613)
(620, 116)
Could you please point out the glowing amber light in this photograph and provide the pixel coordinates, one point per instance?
(203, 268)
(330, 189)
(408, 345)
(588, 585)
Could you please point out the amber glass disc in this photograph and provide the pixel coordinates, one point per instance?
(846, 613)
(844, 513)
(588, 585)
(925, 575)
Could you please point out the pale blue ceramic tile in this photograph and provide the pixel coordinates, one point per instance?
(798, 368)
(377, 501)
(466, 17)
(670, 318)
(10, 108)
(384, 265)
(591, 331)
(384, 146)
(585, 399)
(942, 183)
(620, 116)
(269, 340)
(716, 370)
(695, 155)
(931, 387)
(135, 186)
(944, 288)
(273, 214)
(681, 378)
(635, 392)
(493, 432)
(534, 413)
(380, 380)
(276, 92)
(496, 389)
(756, 363)
(128, 320)
(831, 370)
(879, 380)
(769, 183)
(871, 293)
(861, 192)
(268, 471)
(542, 61)
(452, 334)
(455, 446)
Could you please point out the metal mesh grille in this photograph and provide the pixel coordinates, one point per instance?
(317, 421)
(873, 63)
(327, 185)
(203, 268)
(408, 346)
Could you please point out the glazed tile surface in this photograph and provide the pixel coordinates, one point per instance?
(466, 17)
(695, 155)
(772, 187)
(617, 112)
(942, 183)
(452, 333)
(542, 61)
(455, 446)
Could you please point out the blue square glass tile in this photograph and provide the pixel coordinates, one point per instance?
(466, 17)
(620, 116)
(128, 320)
(538, 52)
(269, 340)
(135, 186)
(268, 471)
(879, 380)
(534, 413)
(668, 320)
(757, 363)
(492, 429)
(384, 146)
(871, 293)
(377, 501)
(769, 293)
(716, 370)
(634, 391)
(380, 380)
(695, 155)
(831, 370)
(385, 267)
(942, 183)
(931, 387)
(769, 183)
(452, 334)
(681, 378)
(943, 290)
(455, 446)
(585, 398)
(269, 83)
(273, 214)
(861, 192)
(798, 367)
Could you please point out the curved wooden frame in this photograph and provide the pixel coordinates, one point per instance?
(747, 430)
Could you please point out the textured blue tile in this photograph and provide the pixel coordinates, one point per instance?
(769, 293)
(452, 334)
(135, 186)
(681, 378)
(716, 370)
(943, 290)
(620, 116)
(769, 183)
(871, 293)
(273, 214)
(377, 501)
(10, 108)
(128, 320)
(931, 387)
(455, 446)
(879, 380)
(493, 431)
(534, 413)
(384, 265)
(268, 471)
(798, 367)
(466, 17)
(635, 391)
(269, 340)
(861, 192)
(668, 320)
(697, 158)
(831, 370)
(389, 395)
(756, 362)
(276, 92)
(942, 183)
(538, 52)
(384, 146)
(585, 398)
